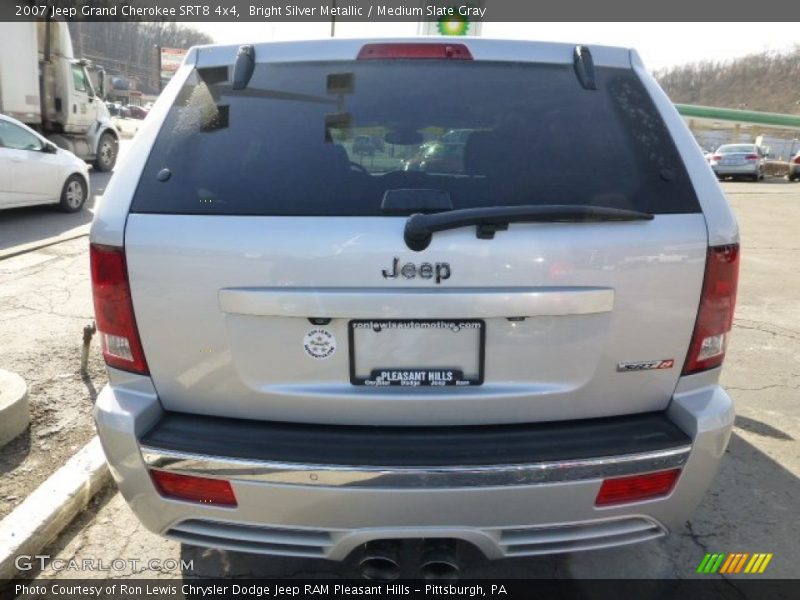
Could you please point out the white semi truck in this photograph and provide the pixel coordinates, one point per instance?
(43, 85)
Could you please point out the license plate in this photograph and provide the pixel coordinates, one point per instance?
(417, 352)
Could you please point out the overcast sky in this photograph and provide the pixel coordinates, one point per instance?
(660, 44)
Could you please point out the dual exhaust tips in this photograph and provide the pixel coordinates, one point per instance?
(380, 560)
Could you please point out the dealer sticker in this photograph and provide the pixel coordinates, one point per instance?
(319, 344)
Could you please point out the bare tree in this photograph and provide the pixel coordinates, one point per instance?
(769, 81)
(128, 49)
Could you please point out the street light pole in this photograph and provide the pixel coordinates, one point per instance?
(333, 18)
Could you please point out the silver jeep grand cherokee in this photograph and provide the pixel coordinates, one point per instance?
(515, 346)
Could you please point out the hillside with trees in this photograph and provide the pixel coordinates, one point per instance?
(129, 48)
(766, 82)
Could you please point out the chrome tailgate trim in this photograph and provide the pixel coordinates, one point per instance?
(413, 477)
(382, 303)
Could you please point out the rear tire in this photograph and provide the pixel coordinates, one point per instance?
(73, 195)
(107, 149)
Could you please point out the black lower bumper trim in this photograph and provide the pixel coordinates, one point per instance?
(414, 446)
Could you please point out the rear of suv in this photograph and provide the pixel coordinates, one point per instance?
(311, 348)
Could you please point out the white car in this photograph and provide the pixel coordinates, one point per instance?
(33, 170)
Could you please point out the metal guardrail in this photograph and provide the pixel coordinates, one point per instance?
(777, 120)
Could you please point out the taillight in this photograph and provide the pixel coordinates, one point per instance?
(203, 490)
(751, 157)
(715, 314)
(621, 490)
(716, 157)
(113, 310)
(414, 50)
(796, 160)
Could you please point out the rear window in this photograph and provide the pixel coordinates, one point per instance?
(736, 148)
(330, 138)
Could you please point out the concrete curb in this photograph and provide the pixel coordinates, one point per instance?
(15, 414)
(39, 244)
(52, 506)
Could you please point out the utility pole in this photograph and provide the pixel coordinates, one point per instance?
(158, 67)
(333, 18)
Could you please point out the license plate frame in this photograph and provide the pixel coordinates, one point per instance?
(371, 381)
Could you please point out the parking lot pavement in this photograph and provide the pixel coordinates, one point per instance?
(45, 302)
(752, 506)
(23, 227)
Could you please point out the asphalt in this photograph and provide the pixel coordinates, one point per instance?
(751, 507)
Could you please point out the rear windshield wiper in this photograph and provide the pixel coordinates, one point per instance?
(420, 228)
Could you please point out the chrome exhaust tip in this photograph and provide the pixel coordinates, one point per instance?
(379, 561)
(440, 561)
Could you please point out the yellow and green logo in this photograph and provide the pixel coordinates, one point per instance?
(453, 25)
(740, 562)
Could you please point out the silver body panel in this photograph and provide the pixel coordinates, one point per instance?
(737, 170)
(253, 282)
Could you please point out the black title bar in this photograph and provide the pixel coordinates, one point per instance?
(260, 589)
(393, 10)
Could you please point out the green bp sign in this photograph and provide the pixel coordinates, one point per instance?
(453, 25)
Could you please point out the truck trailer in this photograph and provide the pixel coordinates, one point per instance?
(43, 85)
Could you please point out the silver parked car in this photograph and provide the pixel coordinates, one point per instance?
(738, 160)
(308, 353)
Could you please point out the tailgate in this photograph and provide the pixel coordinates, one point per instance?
(225, 309)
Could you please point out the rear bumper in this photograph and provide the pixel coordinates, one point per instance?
(326, 510)
(414, 457)
(748, 169)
